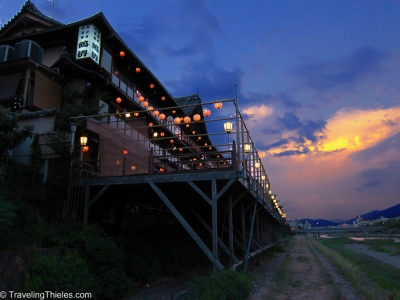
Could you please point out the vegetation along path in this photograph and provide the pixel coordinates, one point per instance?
(304, 274)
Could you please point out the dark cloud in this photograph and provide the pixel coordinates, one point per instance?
(289, 121)
(325, 75)
(288, 101)
(309, 129)
(206, 74)
(292, 152)
(374, 177)
(306, 130)
(391, 143)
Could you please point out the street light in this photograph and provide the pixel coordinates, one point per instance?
(228, 129)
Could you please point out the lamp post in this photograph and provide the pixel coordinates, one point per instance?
(228, 129)
(83, 140)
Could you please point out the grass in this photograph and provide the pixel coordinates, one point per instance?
(388, 246)
(370, 276)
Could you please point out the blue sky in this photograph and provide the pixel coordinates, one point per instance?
(318, 82)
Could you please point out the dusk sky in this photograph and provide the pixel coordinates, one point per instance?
(319, 82)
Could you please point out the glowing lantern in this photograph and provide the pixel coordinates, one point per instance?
(187, 119)
(151, 85)
(257, 164)
(199, 138)
(118, 100)
(180, 149)
(218, 156)
(162, 116)
(171, 141)
(150, 108)
(141, 98)
(173, 112)
(187, 125)
(137, 70)
(262, 177)
(127, 115)
(196, 117)
(126, 152)
(210, 148)
(145, 103)
(206, 112)
(155, 134)
(150, 124)
(162, 98)
(205, 144)
(162, 170)
(122, 54)
(218, 105)
(246, 148)
(85, 148)
(193, 132)
(177, 120)
(162, 133)
(133, 168)
(136, 114)
(156, 113)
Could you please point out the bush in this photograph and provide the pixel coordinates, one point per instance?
(277, 248)
(224, 285)
(69, 274)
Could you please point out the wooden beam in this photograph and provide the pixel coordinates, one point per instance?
(200, 192)
(230, 223)
(238, 198)
(250, 237)
(220, 242)
(185, 225)
(156, 178)
(86, 206)
(225, 188)
(101, 192)
(214, 217)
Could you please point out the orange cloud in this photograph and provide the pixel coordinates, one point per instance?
(258, 112)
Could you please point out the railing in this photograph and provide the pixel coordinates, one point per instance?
(187, 152)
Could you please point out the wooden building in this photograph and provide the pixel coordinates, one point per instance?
(143, 152)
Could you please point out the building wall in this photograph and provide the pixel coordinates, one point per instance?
(51, 55)
(47, 92)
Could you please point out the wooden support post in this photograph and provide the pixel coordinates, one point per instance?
(230, 221)
(217, 265)
(86, 206)
(249, 243)
(214, 216)
(220, 242)
(151, 161)
(101, 192)
(243, 226)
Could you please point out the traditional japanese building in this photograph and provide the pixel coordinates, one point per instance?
(140, 149)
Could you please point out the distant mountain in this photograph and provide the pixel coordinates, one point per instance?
(319, 222)
(390, 212)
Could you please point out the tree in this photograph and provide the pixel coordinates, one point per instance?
(10, 134)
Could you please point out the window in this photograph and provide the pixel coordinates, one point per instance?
(106, 60)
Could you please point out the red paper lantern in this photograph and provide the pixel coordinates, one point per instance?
(118, 100)
(137, 70)
(162, 98)
(85, 148)
(218, 105)
(122, 54)
(141, 98)
(156, 113)
(206, 112)
(196, 117)
(177, 120)
(162, 116)
(126, 152)
(187, 119)
(151, 85)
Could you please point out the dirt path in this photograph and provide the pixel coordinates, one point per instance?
(304, 274)
(385, 257)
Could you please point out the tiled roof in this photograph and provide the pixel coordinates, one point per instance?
(187, 100)
(29, 6)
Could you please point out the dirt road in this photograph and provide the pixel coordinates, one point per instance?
(304, 274)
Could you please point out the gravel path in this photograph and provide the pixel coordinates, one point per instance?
(308, 276)
(385, 257)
